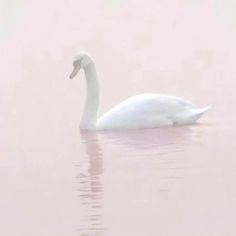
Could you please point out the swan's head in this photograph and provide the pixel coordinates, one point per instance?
(81, 60)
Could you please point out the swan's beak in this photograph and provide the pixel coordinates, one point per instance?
(75, 71)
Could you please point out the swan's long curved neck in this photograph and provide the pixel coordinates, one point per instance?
(89, 117)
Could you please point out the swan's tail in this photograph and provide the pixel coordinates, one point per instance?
(198, 113)
(201, 111)
(191, 116)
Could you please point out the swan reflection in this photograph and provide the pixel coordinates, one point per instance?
(141, 163)
(91, 187)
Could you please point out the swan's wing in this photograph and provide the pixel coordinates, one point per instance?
(142, 110)
(151, 104)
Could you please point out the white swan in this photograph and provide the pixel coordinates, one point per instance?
(137, 112)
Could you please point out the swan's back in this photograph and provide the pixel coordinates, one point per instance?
(144, 111)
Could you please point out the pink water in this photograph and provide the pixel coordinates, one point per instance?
(56, 181)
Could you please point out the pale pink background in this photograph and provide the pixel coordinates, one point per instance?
(55, 181)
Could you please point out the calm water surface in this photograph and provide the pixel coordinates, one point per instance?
(56, 180)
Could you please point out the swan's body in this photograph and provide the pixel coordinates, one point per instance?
(149, 111)
(137, 112)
